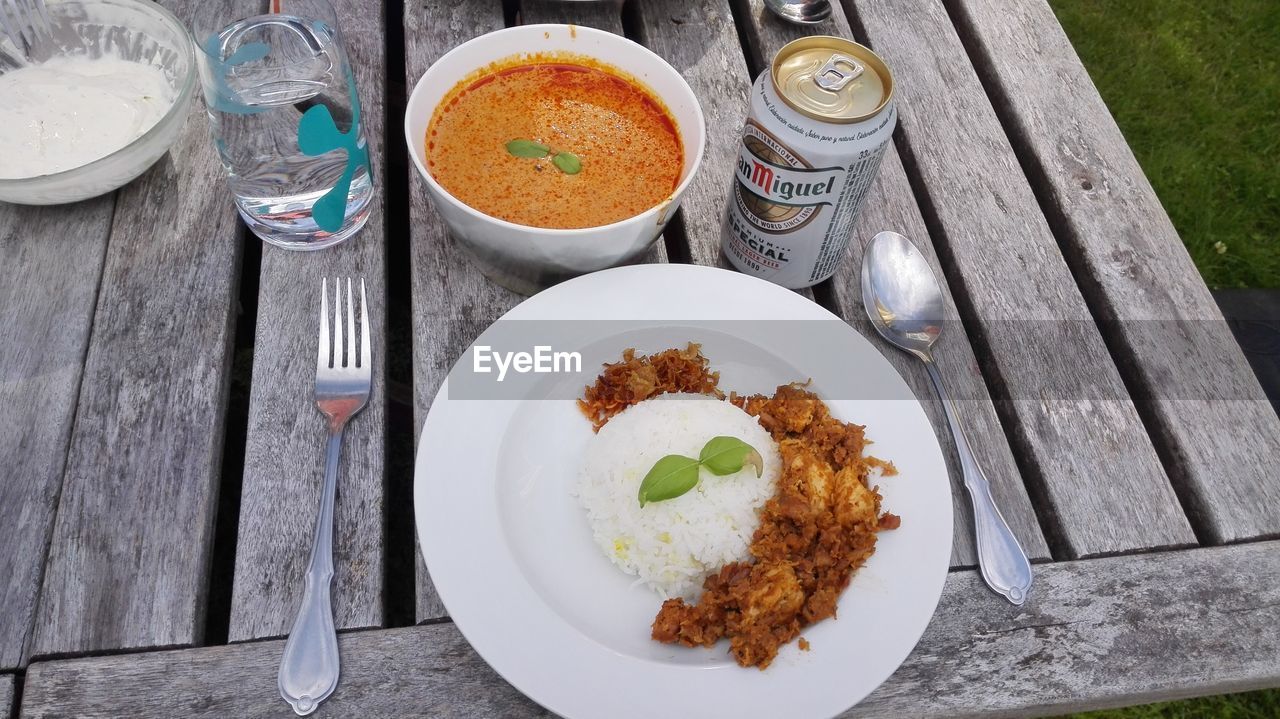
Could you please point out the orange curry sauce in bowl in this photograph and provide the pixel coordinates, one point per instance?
(626, 145)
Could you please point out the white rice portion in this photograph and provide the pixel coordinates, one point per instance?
(673, 545)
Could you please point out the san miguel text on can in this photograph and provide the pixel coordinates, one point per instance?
(818, 125)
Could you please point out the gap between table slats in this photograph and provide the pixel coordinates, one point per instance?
(1098, 633)
(53, 257)
(1094, 475)
(1206, 412)
(284, 453)
(129, 559)
(400, 592)
(891, 206)
(236, 427)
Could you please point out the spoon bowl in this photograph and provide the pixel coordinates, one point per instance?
(902, 295)
(801, 12)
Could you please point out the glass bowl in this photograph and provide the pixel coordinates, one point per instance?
(136, 30)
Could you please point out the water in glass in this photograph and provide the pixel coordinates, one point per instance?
(263, 78)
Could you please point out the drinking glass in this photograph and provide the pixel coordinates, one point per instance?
(285, 118)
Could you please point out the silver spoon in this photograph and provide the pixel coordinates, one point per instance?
(904, 303)
(801, 12)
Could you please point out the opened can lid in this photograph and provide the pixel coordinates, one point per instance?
(832, 79)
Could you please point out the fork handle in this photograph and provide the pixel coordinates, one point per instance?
(309, 668)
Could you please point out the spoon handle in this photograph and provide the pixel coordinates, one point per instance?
(1004, 565)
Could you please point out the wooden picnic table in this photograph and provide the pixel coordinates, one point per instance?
(154, 532)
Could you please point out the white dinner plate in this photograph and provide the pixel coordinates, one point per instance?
(512, 557)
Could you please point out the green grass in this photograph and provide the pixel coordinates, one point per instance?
(1195, 87)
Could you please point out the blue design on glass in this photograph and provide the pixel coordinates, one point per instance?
(318, 134)
(224, 98)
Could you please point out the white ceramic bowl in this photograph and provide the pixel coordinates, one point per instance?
(523, 258)
(131, 30)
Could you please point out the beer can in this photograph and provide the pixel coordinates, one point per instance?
(818, 125)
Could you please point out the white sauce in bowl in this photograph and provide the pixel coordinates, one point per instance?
(70, 111)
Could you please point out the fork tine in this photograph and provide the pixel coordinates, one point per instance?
(351, 329)
(322, 357)
(365, 357)
(338, 361)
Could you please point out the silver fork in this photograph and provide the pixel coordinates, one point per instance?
(24, 20)
(309, 668)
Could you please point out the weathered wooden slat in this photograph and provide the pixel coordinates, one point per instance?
(1096, 476)
(605, 15)
(284, 463)
(1170, 338)
(46, 308)
(452, 301)
(700, 41)
(427, 671)
(891, 206)
(129, 558)
(7, 682)
(1099, 632)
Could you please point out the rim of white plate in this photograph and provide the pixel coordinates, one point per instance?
(533, 647)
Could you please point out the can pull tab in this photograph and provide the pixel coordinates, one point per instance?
(839, 71)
